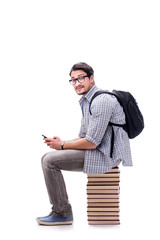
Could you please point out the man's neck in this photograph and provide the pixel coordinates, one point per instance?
(88, 91)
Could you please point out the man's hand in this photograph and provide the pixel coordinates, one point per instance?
(54, 142)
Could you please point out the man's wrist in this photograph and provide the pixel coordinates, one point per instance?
(62, 145)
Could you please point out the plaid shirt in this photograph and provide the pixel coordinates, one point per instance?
(95, 129)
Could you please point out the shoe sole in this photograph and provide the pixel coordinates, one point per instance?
(53, 223)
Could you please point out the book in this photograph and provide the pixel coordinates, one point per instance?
(104, 222)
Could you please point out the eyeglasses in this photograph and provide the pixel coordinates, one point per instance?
(80, 79)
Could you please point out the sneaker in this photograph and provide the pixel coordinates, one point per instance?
(51, 220)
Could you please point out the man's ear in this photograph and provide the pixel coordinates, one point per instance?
(92, 78)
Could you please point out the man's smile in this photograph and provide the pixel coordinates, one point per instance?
(79, 87)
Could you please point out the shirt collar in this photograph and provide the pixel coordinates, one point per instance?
(89, 95)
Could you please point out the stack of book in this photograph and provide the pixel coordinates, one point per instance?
(103, 198)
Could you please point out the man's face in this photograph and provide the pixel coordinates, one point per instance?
(82, 88)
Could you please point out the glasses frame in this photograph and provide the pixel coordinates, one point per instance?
(80, 79)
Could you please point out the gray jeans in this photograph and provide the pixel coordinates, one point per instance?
(52, 164)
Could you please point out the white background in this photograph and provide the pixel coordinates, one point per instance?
(39, 42)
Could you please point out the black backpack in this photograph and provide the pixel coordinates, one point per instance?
(134, 119)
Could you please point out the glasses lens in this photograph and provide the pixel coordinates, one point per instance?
(81, 79)
(72, 82)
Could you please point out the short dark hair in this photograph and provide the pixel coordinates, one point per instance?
(84, 67)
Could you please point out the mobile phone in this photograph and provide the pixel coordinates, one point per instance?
(44, 136)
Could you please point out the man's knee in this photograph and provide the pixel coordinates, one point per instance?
(43, 159)
(48, 160)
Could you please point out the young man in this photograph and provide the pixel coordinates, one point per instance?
(90, 152)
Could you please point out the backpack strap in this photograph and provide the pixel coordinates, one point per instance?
(94, 96)
(112, 137)
(112, 143)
